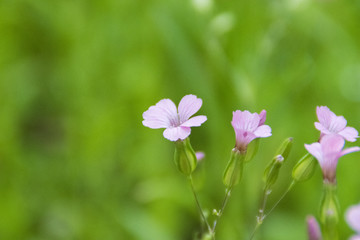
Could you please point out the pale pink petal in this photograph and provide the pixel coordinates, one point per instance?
(337, 124)
(332, 144)
(350, 150)
(321, 128)
(352, 216)
(200, 155)
(263, 131)
(162, 115)
(315, 150)
(176, 133)
(324, 115)
(355, 237)
(314, 232)
(349, 133)
(243, 138)
(194, 121)
(262, 116)
(245, 120)
(188, 106)
(154, 117)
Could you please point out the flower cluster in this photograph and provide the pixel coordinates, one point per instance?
(248, 126)
(333, 134)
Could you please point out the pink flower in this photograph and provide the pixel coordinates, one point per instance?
(327, 152)
(249, 126)
(329, 123)
(352, 216)
(176, 121)
(314, 232)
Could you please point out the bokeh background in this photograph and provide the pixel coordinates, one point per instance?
(76, 76)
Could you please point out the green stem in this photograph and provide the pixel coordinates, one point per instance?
(199, 207)
(262, 216)
(292, 184)
(224, 203)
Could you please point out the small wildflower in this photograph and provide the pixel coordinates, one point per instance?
(249, 126)
(177, 121)
(328, 152)
(329, 123)
(313, 228)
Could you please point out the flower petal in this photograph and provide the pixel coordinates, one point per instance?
(355, 237)
(194, 121)
(321, 128)
(243, 138)
(332, 144)
(315, 150)
(337, 124)
(350, 150)
(176, 133)
(262, 116)
(162, 115)
(349, 133)
(263, 131)
(245, 120)
(188, 106)
(324, 115)
(352, 216)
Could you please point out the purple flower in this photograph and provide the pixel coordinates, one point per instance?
(177, 121)
(249, 126)
(313, 228)
(327, 152)
(329, 123)
(352, 217)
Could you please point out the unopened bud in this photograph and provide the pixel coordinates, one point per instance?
(207, 236)
(313, 228)
(184, 157)
(234, 168)
(304, 168)
(252, 149)
(272, 171)
(285, 148)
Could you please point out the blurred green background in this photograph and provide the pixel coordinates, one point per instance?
(76, 76)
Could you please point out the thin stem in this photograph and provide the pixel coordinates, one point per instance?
(224, 203)
(255, 229)
(292, 184)
(262, 216)
(199, 206)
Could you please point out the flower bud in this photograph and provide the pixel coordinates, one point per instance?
(304, 168)
(184, 157)
(252, 149)
(285, 148)
(272, 171)
(234, 168)
(313, 228)
(329, 211)
(207, 236)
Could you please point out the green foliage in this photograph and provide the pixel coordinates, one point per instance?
(76, 76)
